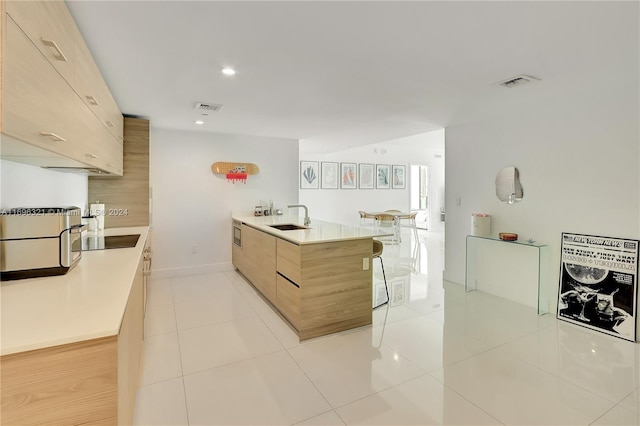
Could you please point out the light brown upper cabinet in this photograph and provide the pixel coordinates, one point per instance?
(50, 26)
(57, 110)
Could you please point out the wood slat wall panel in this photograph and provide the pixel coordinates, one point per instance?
(131, 191)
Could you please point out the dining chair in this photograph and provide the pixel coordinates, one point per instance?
(366, 218)
(388, 220)
(377, 253)
(412, 224)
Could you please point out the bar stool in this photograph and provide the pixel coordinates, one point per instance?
(377, 253)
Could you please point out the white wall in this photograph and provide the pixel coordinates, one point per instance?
(342, 205)
(24, 185)
(192, 206)
(578, 154)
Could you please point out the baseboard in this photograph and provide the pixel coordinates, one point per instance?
(445, 277)
(191, 270)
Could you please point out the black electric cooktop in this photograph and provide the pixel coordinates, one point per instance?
(95, 242)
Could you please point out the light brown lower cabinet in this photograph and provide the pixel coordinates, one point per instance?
(320, 288)
(259, 250)
(88, 382)
(335, 291)
(130, 347)
(62, 385)
(288, 300)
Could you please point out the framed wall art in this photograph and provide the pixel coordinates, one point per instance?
(348, 175)
(366, 175)
(309, 175)
(382, 176)
(398, 177)
(598, 284)
(329, 175)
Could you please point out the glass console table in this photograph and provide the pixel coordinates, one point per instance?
(514, 270)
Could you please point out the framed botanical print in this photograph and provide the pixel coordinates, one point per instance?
(398, 177)
(348, 175)
(366, 175)
(382, 176)
(309, 175)
(329, 175)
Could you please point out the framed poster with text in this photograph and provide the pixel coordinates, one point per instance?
(598, 283)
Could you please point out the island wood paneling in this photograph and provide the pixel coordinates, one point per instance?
(126, 198)
(320, 288)
(333, 292)
(62, 385)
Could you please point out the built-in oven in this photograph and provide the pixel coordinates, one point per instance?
(237, 233)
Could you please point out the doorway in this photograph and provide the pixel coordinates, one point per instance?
(419, 194)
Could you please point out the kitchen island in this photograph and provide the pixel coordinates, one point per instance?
(318, 277)
(71, 344)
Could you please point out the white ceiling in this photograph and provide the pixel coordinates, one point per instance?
(339, 74)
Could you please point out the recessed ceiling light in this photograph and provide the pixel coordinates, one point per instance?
(199, 122)
(228, 71)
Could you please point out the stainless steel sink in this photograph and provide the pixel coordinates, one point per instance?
(288, 227)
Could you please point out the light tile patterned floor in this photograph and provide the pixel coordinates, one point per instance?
(217, 354)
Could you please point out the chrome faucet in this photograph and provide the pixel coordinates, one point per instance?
(307, 221)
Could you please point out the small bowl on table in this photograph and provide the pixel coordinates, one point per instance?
(508, 236)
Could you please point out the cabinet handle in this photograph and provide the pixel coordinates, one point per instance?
(287, 278)
(53, 136)
(109, 123)
(92, 100)
(94, 156)
(60, 56)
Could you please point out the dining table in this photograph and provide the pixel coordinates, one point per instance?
(391, 218)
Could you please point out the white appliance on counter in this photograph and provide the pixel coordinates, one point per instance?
(39, 241)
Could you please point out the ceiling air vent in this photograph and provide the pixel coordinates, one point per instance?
(202, 106)
(518, 81)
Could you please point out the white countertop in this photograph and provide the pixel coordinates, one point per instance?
(86, 303)
(318, 232)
